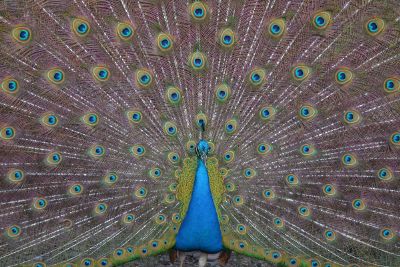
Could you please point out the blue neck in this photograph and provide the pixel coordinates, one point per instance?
(200, 227)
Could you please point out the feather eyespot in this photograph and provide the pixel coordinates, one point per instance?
(276, 256)
(329, 190)
(134, 116)
(144, 78)
(110, 178)
(49, 120)
(164, 42)
(238, 200)
(198, 11)
(75, 189)
(104, 262)
(241, 229)
(155, 173)
(304, 211)
(292, 180)
(308, 150)
(101, 73)
(249, 173)
(174, 95)
(191, 146)
(227, 38)
(54, 158)
(300, 72)
(201, 121)
(229, 156)
(268, 194)
(264, 149)
(349, 160)
(391, 85)
(230, 187)
(80, 27)
(128, 218)
(141, 192)
(13, 231)
(197, 61)
(257, 77)
(395, 139)
(172, 187)
(278, 222)
(87, 262)
(100, 209)
(330, 235)
(385, 174)
(7, 133)
(10, 86)
(231, 126)
(343, 76)
(56, 76)
(161, 219)
(170, 129)
(39, 203)
(138, 151)
(173, 157)
(307, 112)
(90, 119)
(358, 204)
(15, 175)
(21, 34)
(176, 218)
(125, 31)
(39, 264)
(97, 151)
(387, 234)
(276, 28)
(351, 117)
(222, 93)
(375, 26)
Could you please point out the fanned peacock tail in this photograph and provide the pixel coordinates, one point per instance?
(106, 105)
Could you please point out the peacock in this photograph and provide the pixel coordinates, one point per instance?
(145, 130)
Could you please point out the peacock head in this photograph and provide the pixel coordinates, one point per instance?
(202, 149)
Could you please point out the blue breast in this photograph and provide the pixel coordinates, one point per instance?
(200, 227)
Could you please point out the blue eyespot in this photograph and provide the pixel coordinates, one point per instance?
(255, 77)
(372, 26)
(299, 73)
(395, 138)
(198, 12)
(92, 118)
(197, 62)
(165, 43)
(126, 32)
(24, 35)
(320, 21)
(82, 28)
(12, 85)
(275, 29)
(341, 76)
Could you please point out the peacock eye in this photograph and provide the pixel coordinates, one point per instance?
(164, 42)
(21, 34)
(197, 61)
